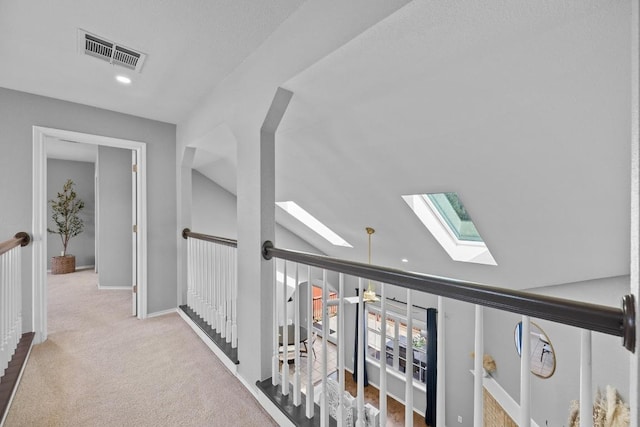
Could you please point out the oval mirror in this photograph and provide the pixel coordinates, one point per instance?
(542, 356)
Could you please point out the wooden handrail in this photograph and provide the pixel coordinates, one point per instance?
(208, 238)
(21, 238)
(619, 322)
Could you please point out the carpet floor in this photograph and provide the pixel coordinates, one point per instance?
(102, 367)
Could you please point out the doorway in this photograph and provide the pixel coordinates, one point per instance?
(39, 219)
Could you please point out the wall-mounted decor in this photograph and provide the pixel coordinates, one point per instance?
(542, 355)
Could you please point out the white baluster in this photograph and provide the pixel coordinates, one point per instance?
(440, 364)
(477, 369)
(296, 322)
(310, 409)
(199, 265)
(229, 292)
(586, 415)
(341, 349)
(234, 301)
(285, 336)
(3, 284)
(215, 294)
(525, 375)
(361, 359)
(207, 271)
(324, 404)
(190, 272)
(408, 391)
(383, 356)
(223, 278)
(4, 360)
(274, 357)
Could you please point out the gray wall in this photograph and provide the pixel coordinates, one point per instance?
(115, 251)
(82, 174)
(550, 397)
(20, 111)
(214, 212)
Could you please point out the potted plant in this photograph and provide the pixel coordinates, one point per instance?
(65, 215)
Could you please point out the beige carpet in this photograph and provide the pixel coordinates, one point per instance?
(102, 367)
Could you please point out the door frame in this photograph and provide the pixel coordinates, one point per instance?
(39, 219)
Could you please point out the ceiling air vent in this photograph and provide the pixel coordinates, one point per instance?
(111, 52)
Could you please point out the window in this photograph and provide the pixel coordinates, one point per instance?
(444, 215)
(396, 341)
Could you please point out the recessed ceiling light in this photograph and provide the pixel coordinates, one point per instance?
(123, 79)
(310, 221)
(405, 260)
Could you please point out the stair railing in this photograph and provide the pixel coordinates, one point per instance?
(11, 295)
(614, 321)
(212, 283)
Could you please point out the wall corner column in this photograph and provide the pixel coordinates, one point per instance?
(634, 368)
(256, 223)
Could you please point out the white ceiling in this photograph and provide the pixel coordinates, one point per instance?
(521, 107)
(71, 150)
(191, 46)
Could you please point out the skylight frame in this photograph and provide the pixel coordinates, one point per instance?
(295, 210)
(459, 250)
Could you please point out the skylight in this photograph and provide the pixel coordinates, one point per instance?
(447, 219)
(310, 221)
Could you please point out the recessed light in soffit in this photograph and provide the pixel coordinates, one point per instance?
(447, 219)
(109, 51)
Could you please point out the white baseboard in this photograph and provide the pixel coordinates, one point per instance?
(279, 417)
(161, 313)
(216, 350)
(114, 288)
(78, 267)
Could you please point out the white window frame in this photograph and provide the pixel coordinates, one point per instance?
(398, 319)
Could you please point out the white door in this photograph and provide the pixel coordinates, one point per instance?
(134, 234)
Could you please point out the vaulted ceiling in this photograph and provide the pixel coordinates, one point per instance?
(521, 107)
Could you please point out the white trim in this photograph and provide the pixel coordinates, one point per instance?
(398, 399)
(458, 250)
(278, 416)
(15, 388)
(634, 285)
(507, 402)
(216, 350)
(262, 398)
(39, 218)
(114, 288)
(162, 313)
(79, 267)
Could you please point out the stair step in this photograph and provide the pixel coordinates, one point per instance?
(9, 380)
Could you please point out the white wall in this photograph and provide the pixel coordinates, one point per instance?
(115, 250)
(81, 173)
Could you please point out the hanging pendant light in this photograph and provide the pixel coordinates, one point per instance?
(370, 294)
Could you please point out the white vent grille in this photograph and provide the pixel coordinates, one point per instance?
(113, 53)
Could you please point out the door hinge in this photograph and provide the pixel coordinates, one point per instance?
(134, 168)
(135, 228)
(135, 289)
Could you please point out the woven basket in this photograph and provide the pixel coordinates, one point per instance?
(63, 264)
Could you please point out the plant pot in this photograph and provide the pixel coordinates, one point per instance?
(63, 264)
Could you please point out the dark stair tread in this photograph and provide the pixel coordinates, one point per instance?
(230, 352)
(9, 380)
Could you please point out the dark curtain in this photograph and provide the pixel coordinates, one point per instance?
(432, 368)
(355, 348)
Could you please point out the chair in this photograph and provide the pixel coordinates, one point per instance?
(313, 340)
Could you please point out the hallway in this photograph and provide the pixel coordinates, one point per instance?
(102, 367)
